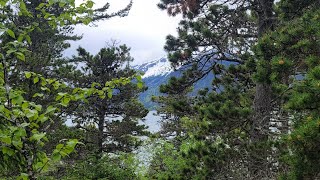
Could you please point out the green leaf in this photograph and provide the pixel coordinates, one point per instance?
(23, 176)
(139, 78)
(42, 118)
(28, 39)
(75, 90)
(61, 4)
(25, 105)
(59, 146)
(65, 152)
(43, 83)
(100, 93)
(11, 33)
(73, 142)
(60, 95)
(2, 108)
(140, 85)
(36, 79)
(6, 150)
(90, 4)
(70, 145)
(21, 132)
(17, 143)
(65, 101)
(56, 157)
(10, 51)
(27, 74)
(39, 165)
(38, 95)
(107, 84)
(17, 100)
(38, 107)
(5, 139)
(13, 128)
(20, 38)
(50, 109)
(17, 112)
(20, 56)
(41, 5)
(24, 124)
(23, 6)
(110, 93)
(31, 113)
(37, 136)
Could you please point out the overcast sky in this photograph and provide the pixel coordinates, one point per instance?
(144, 30)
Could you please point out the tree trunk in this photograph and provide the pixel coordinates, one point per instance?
(100, 135)
(262, 106)
(263, 96)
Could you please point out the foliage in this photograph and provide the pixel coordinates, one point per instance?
(23, 131)
(104, 168)
(24, 122)
(264, 58)
(116, 119)
(167, 162)
(295, 78)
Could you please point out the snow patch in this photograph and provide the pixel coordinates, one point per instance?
(161, 67)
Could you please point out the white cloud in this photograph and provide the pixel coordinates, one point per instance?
(144, 30)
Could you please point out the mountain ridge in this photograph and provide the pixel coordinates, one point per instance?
(157, 67)
(159, 72)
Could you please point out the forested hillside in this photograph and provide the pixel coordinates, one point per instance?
(256, 118)
(160, 72)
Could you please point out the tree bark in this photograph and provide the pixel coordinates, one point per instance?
(262, 104)
(100, 135)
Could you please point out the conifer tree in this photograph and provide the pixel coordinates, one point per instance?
(116, 119)
(48, 43)
(295, 74)
(47, 40)
(232, 40)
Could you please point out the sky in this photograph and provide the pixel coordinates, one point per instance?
(144, 30)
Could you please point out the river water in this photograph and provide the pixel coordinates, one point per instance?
(152, 120)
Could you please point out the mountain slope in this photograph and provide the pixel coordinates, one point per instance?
(158, 72)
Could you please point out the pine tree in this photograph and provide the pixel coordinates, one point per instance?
(237, 42)
(46, 41)
(295, 74)
(116, 119)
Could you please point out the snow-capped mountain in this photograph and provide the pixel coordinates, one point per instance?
(158, 72)
(160, 67)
